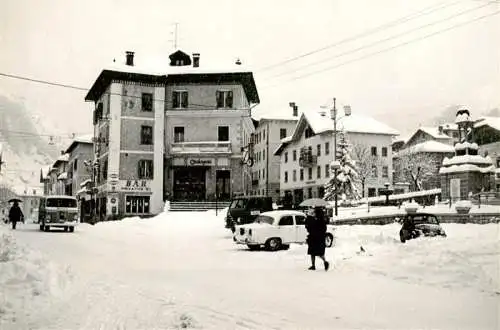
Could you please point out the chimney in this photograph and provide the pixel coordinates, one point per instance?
(238, 61)
(130, 58)
(440, 128)
(196, 60)
(295, 109)
(62, 152)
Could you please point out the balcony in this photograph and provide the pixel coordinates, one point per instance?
(307, 159)
(201, 147)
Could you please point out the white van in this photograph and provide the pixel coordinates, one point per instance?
(58, 211)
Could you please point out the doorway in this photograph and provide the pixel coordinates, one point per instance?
(223, 184)
(189, 184)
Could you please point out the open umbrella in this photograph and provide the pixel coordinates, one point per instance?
(314, 202)
(12, 200)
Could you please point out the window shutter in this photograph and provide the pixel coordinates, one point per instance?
(184, 99)
(229, 99)
(150, 169)
(139, 172)
(175, 99)
(218, 96)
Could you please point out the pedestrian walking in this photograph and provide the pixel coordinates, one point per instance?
(15, 214)
(316, 228)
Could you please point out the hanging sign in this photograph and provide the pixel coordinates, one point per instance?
(200, 161)
(135, 185)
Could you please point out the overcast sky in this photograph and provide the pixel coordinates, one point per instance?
(70, 41)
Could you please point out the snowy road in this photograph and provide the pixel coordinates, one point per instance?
(183, 270)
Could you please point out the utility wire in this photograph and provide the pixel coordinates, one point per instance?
(46, 82)
(355, 50)
(386, 49)
(423, 12)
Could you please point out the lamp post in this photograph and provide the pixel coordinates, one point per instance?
(336, 164)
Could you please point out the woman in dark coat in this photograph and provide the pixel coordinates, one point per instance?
(316, 227)
(15, 214)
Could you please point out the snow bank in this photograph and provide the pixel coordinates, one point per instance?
(27, 280)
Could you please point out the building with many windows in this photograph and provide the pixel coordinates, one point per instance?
(268, 136)
(180, 132)
(307, 153)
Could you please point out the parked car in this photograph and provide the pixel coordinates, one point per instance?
(58, 211)
(276, 230)
(245, 209)
(420, 224)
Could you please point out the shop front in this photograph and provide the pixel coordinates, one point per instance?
(199, 179)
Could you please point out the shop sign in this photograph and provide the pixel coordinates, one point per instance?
(135, 185)
(200, 162)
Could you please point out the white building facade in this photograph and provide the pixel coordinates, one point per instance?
(305, 156)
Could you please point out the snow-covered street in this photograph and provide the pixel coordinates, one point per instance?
(182, 270)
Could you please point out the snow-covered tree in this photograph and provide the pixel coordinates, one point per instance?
(344, 181)
(364, 163)
(414, 167)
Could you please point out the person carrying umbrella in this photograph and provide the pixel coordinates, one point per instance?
(316, 227)
(15, 214)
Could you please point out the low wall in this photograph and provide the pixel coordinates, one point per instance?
(477, 218)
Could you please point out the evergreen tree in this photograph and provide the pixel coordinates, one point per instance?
(345, 181)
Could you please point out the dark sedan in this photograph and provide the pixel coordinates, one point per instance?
(420, 224)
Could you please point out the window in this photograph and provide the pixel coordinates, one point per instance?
(321, 192)
(385, 171)
(223, 134)
(287, 220)
(286, 157)
(75, 164)
(282, 133)
(318, 150)
(300, 220)
(105, 170)
(374, 171)
(309, 192)
(295, 155)
(263, 174)
(327, 171)
(137, 204)
(224, 99)
(294, 175)
(264, 134)
(147, 102)
(145, 169)
(286, 176)
(318, 172)
(309, 132)
(372, 192)
(179, 99)
(374, 151)
(301, 174)
(310, 173)
(178, 134)
(146, 134)
(327, 148)
(384, 151)
(264, 154)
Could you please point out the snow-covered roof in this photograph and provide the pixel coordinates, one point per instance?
(434, 132)
(467, 159)
(87, 138)
(466, 145)
(428, 146)
(354, 123)
(63, 158)
(63, 176)
(467, 168)
(463, 117)
(84, 183)
(493, 122)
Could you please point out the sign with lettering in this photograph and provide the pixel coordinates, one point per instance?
(200, 162)
(135, 185)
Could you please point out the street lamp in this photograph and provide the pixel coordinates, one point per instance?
(335, 163)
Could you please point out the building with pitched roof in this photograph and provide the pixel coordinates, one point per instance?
(307, 153)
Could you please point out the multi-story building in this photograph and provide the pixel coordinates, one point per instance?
(266, 170)
(444, 133)
(80, 155)
(55, 180)
(307, 153)
(30, 203)
(179, 132)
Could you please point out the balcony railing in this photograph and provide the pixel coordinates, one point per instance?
(201, 147)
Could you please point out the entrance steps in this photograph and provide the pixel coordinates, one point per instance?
(197, 206)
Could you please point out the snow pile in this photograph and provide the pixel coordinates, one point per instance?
(27, 280)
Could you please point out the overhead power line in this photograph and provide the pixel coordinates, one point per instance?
(423, 12)
(387, 49)
(51, 83)
(395, 36)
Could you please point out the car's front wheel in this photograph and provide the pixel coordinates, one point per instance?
(273, 244)
(329, 240)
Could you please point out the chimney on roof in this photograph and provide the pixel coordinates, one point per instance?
(238, 61)
(129, 58)
(62, 152)
(295, 109)
(441, 129)
(196, 60)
